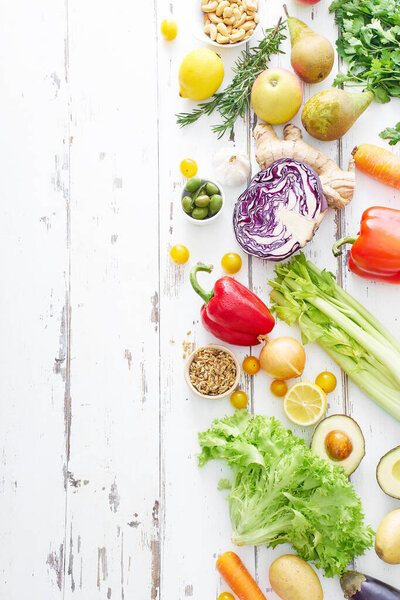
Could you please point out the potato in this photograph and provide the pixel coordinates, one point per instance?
(387, 540)
(293, 579)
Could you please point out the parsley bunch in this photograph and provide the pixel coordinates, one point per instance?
(370, 43)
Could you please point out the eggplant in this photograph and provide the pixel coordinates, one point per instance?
(363, 587)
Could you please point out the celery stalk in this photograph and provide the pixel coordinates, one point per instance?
(360, 310)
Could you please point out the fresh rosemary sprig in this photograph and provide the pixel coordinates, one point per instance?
(234, 101)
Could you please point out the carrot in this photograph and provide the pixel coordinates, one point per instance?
(238, 578)
(379, 163)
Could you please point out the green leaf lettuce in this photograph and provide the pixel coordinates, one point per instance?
(283, 492)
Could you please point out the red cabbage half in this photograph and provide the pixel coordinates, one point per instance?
(280, 210)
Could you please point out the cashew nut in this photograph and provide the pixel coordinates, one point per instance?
(227, 12)
(210, 7)
(241, 20)
(211, 30)
(237, 14)
(256, 18)
(236, 35)
(230, 21)
(221, 28)
(222, 39)
(251, 5)
(248, 25)
(214, 19)
(221, 6)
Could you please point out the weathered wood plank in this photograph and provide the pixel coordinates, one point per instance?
(196, 526)
(34, 299)
(113, 493)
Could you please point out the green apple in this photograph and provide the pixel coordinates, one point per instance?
(276, 96)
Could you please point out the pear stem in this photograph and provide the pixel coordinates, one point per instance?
(277, 27)
(286, 10)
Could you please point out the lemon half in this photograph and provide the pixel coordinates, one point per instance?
(305, 403)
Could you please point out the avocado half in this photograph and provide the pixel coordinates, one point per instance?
(341, 424)
(388, 473)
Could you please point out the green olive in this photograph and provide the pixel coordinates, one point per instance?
(215, 204)
(187, 204)
(202, 200)
(193, 184)
(211, 189)
(199, 213)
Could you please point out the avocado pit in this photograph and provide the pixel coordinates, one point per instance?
(338, 445)
(339, 440)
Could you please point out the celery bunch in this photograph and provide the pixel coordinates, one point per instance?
(351, 335)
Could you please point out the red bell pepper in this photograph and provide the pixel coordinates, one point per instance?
(375, 251)
(231, 311)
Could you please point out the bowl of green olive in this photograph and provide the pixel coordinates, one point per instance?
(202, 200)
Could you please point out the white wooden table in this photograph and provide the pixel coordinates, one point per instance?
(100, 493)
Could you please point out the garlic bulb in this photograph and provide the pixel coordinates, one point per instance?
(231, 168)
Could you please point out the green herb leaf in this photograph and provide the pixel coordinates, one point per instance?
(392, 134)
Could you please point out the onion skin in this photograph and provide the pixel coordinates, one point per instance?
(282, 358)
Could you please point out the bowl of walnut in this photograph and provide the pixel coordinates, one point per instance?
(226, 22)
(212, 372)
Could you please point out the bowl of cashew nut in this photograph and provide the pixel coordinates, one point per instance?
(227, 22)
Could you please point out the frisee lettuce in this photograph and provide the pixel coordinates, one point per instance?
(283, 492)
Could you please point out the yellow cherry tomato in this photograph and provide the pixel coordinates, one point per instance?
(327, 381)
(231, 263)
(226, 596)
(251, 365)
(239, 399)
(169, 29)
(188, 167)
(278, 388)
(179, 254)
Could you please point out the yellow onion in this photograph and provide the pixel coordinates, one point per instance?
(282, 358)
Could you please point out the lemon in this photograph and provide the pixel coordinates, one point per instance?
(304, 403)
(200, 74)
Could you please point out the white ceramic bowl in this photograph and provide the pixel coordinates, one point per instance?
(231, 389)
(209, 220)
(198, 28)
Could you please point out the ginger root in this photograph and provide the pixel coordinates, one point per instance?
(337, 185)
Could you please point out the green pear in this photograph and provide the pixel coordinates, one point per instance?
(312, 54)
(329, 114)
